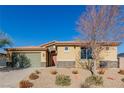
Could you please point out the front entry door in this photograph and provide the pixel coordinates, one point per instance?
(53, 58)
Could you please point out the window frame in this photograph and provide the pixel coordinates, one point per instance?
(83, 55)
(87, 55)
(107, 48)
(65, 49)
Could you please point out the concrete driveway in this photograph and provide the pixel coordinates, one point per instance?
(11, 78)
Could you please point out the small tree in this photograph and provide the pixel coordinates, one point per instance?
(20, 60)
(4, 40)
(85, 65)
(101, 25)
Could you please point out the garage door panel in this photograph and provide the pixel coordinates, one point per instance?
(35, 59)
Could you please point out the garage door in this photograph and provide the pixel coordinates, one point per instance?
(35, 59)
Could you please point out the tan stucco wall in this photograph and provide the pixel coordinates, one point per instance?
(121, 62)
(77, 57)
(65, 55)
(74, 54)
(43, 54)
(110, 54)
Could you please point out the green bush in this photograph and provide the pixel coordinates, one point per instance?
(63, 80)
(24, 62)
(94, 80)
(85, 85)
(15, 59)
(20, 61)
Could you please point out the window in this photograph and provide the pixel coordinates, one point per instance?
(89, 53)
(107, 48)
(86, 53)
(83, 53)
(66, 49)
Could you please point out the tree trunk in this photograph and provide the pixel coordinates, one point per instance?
(94, 68)
(92, 72)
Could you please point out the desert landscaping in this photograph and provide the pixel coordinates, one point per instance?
(87, 57)
(46, 78)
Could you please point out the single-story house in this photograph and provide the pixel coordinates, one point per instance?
(65, 54)
(121, 60)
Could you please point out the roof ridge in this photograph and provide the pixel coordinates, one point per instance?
(48, 43)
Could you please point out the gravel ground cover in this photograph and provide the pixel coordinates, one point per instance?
(47, 80)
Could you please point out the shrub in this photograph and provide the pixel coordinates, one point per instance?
(15, 59)
(94, 80)
(25, 84)
(121, 72)
(20, 61)
(33, 76)
(54, 72)
(75, 72)
(24, 62)
(63, 80)
(37, 72)
(122, 79)
(85, 85)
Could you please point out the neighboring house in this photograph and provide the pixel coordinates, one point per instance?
(65, 54)
(121, 60)
(2, 59)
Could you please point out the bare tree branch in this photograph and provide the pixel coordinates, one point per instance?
(101, 24)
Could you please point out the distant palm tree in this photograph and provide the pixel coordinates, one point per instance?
(4, 40)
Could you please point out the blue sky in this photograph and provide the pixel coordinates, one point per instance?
(34, 25)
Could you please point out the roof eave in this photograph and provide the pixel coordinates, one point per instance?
(25, 49)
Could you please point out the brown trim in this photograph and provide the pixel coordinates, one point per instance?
(85, 44)
(47, 64)
(78, 44)
(26, 49)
